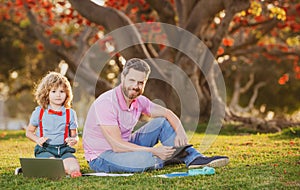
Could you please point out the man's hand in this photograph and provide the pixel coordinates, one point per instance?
(163, 152)
(181, 138)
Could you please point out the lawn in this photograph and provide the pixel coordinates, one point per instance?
(257, 161)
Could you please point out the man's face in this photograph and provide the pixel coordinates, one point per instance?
(133, 83)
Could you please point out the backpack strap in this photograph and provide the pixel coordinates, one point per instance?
(67, 124)
(40, 121)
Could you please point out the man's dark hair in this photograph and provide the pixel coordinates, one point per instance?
(136, 64)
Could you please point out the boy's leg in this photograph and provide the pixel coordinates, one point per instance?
(72, 166)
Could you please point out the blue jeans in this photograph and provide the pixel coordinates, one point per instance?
(62, 151)
(158, 129)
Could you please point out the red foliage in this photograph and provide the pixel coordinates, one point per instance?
(298, 9)
(140, 11)
(19, 3)
(269, 56)
(283, 48)
(237, 19)
(220, 51)
(260, 43)
(282, 25)
(297, 69)
(295, 27)
(67, 43)
(282, 80)
(55, 41)
(6, 16)
(259, 18)
(134, 10)
(228, 42)
(40, 47)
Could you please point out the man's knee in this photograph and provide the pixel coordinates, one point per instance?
(160, 121)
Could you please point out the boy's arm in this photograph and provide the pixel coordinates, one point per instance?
(73, 139)
(30, 133)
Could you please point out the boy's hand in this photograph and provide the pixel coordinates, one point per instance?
(40, 141)
(71, 141)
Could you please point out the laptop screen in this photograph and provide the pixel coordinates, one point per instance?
(43, 167)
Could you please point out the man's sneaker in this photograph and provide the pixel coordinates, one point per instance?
(215, 161)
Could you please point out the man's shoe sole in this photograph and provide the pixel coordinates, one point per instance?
(215, 163)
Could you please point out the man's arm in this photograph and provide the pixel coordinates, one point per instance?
(113, 135)
(159, 111)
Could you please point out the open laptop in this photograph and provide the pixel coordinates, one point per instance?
(43, 167)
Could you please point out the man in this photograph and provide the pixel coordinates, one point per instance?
(108, 142)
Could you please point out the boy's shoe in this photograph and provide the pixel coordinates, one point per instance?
(75, 174)
(18, 171)
(215, 161)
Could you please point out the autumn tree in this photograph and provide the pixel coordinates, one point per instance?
(237, 33)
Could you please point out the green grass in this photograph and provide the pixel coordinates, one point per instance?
(257, 161)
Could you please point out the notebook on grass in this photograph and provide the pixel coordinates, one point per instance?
(43, 167)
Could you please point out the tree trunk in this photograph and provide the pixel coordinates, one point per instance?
(196, 19)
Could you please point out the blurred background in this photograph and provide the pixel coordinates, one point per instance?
(256, 43)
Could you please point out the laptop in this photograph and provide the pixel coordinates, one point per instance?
(52, 168)
(180, 149)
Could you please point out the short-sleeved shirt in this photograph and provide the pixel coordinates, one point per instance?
(110, 109)
(53, 125)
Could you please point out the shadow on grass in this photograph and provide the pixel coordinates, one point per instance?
(235, 130)
(228, 130)
(289, 133)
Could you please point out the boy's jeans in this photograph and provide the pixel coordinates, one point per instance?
(158, 129)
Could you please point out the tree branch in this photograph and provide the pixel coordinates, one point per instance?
(184, 8)
(231, 8)
(70, 57)
(252, 39)
(254, 95)
(164, 10)
(113, 19)
(248, 84)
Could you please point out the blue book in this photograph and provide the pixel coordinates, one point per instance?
(203, 171)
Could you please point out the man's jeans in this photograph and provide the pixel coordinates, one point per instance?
(158, 129)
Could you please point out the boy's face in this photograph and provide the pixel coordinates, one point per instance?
(57, 96)
(133, 83)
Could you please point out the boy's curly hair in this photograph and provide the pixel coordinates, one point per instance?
(52, 79)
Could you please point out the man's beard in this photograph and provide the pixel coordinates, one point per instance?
(132, 96)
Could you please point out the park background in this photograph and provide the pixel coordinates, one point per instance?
(256, 44)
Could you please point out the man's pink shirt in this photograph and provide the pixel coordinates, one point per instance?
(110, 109)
